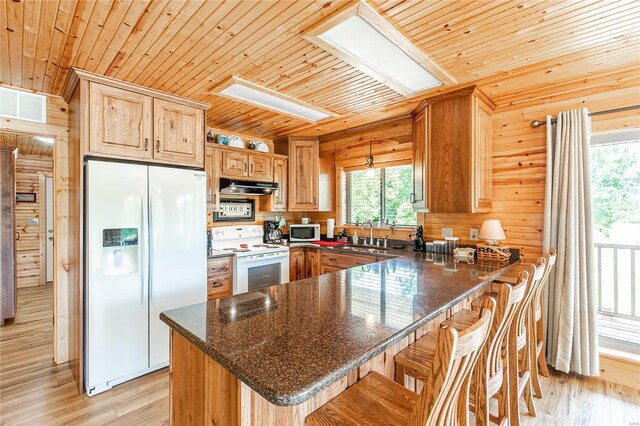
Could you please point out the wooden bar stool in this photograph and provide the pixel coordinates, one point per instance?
(536, 333)
(490, 375)
(518, 349)
(376, 400)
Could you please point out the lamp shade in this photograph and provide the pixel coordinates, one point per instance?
(492, 230)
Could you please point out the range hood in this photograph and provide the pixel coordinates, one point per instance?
(232, 186)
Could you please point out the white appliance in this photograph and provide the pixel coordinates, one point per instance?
(145, 252)
(256, 264)
(299, 232)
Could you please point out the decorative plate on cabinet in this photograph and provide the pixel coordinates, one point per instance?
(235, 141)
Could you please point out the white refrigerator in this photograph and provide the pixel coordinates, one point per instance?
(145, 241)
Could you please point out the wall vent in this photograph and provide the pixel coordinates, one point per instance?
(21, 105)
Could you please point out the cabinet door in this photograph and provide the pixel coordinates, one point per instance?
(235, 164)
(212, 168)
(260, 168)
(121, 122)
(279, 196)
(419, 191)
(303, 175)
(178, 133)
(297, 267)
(482, 184)
(313, 263)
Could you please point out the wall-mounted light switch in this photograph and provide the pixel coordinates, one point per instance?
(473, 234)
(32, 221)
(447, 232)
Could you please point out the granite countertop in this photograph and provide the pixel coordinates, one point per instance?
(214, 254)
(290, 341)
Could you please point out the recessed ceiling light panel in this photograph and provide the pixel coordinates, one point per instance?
(245, 91)
(362, 37)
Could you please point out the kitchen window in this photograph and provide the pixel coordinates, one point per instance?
(379, 194)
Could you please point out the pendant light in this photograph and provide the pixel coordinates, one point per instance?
(369, 163)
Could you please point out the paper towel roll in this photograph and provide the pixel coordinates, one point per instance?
(331, 224)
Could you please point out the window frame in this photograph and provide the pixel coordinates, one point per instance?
(382, 210)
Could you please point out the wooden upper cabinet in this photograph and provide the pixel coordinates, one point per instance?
(178, 133)
(277, 202)
(418, 196)
(120, 122)
(303, 174)
(482, 142)
(212, 168)
(235, 164)
(260, 168)
(452, 153)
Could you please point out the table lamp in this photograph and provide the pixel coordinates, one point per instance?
(492, 232)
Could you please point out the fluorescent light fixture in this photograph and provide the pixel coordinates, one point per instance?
(357, 37)
(362, 37)
(245, 91)
(44, 139)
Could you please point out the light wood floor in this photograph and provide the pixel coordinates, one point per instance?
(35, 391)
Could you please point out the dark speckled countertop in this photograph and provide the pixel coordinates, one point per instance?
(290, 341)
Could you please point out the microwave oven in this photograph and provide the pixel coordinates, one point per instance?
(299, 232)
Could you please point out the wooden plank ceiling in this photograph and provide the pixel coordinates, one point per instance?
(187, 47)
(27, 145)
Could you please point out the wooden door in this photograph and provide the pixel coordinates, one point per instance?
(313, 263)
(482, 184)
(212, 168)
(120, 124)
(280, 177)
(178, 133)
(297, 267)
(260, 168)
(303, 175)
(419, 192)
(235, 164)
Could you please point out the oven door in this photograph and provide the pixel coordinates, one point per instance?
(261, 270)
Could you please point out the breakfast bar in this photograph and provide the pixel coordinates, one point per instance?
(276, 355)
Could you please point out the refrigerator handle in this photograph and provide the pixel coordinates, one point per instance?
(150, 249)
(141, 245)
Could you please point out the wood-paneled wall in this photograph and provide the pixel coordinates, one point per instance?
(519, 158)
(30, 255)
(65, 263)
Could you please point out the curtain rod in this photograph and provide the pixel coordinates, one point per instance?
(538, 123)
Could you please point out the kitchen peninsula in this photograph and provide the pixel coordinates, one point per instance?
(277, 354)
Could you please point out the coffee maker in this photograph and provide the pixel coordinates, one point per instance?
(272, 232)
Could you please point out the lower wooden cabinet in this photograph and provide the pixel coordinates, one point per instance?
(219, 278)
(297, 265)
(306, 262)
(312, 259)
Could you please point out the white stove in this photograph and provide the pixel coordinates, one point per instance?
(256, 264)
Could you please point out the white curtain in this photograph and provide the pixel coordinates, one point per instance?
(572, 336)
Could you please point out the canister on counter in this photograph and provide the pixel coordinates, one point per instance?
(451, 244)
(428, 247)
(439, 246)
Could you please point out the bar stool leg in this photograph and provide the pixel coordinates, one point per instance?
(512, 371)
(533, 359)
(542, 360)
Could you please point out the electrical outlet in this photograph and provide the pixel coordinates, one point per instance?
(447, 232)
(473, 234)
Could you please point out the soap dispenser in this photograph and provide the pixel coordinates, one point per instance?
(354, 239)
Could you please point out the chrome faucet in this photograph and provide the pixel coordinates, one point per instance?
(370, 222)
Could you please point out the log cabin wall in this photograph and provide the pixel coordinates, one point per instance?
(519, 157)
(30, 169)
(65, 262)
